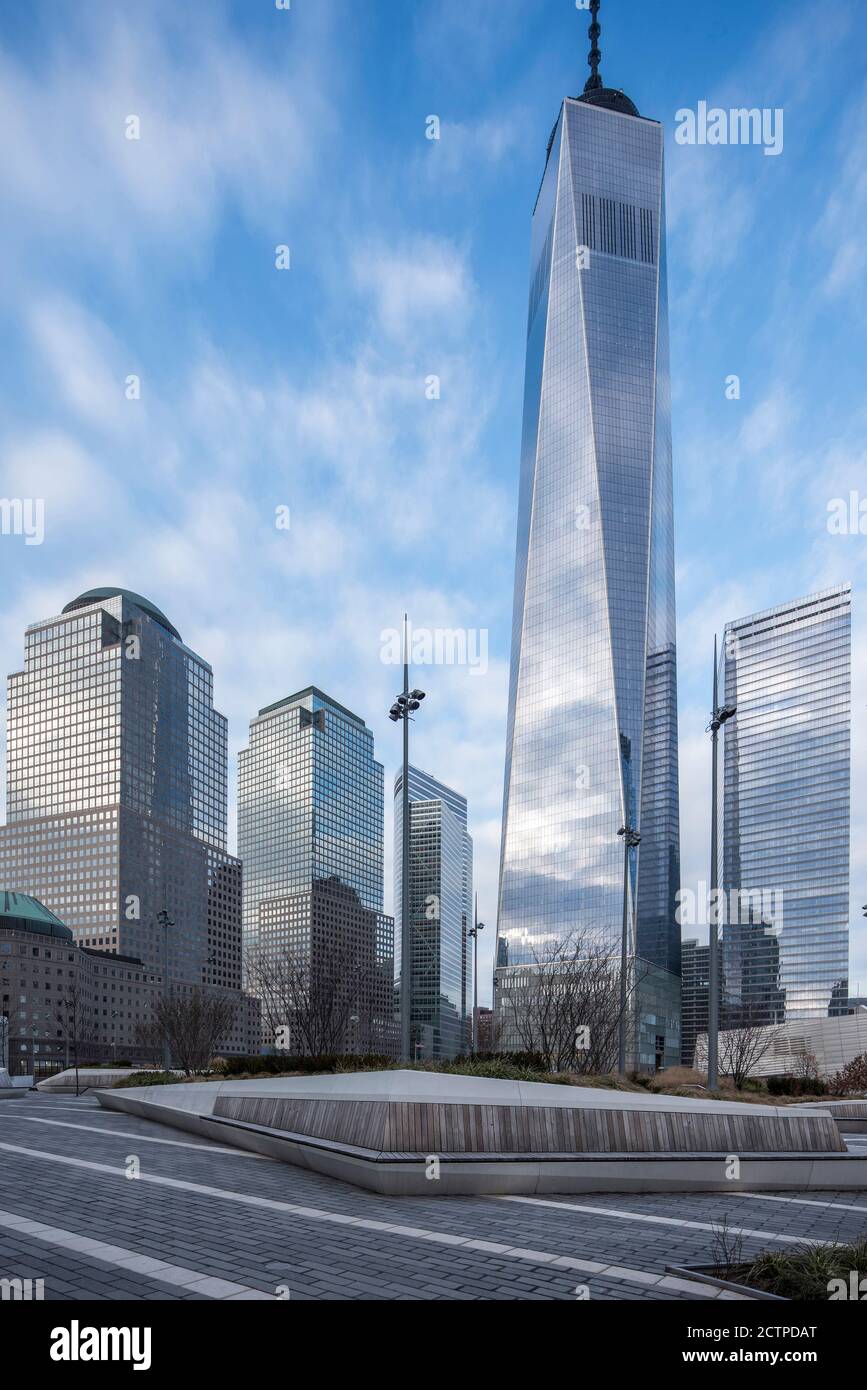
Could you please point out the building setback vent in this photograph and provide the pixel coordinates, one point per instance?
(617, 229)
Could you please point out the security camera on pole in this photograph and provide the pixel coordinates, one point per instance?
(473, 934)
(719, 715)
(403, 707)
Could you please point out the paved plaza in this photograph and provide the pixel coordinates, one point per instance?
(201, 1221)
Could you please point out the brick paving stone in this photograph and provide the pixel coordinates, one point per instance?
(225, 1242)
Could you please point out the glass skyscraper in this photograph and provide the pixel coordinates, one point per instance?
(785, 852)
(592, 718)
(117, 779)
(117, 790)
(440, 912)
(310, 836)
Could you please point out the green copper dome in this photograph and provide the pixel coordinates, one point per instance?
(24, 913)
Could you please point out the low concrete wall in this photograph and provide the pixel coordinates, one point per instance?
(88, 1077)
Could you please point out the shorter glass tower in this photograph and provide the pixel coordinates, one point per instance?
(310, 837)
(694, 994)
(440, 906)
(786, 811)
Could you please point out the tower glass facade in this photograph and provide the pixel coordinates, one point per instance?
(592, 721)
(786, 811)
(310, 836)
(440, 908)
(117, 791)
(694, 995)
(117, 780)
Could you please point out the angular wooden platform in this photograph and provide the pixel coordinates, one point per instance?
(422, 1133)
(437, 1127)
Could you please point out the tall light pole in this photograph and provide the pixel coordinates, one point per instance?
(631, 840)
(474, 934)
(719, 715)
(165, 922)
(407, 701)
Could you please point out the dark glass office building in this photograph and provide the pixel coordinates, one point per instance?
(694, 996)
(440, 912)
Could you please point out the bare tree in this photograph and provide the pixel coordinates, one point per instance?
(75, 1019)
(334, 999)
(805, 1066)
(193, 1020)
(565, 1005)
(742, 1048)
(726, 1247)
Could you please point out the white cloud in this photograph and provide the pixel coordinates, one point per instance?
(218, 128)
(469, 151)
(425, 284)
(84, 361)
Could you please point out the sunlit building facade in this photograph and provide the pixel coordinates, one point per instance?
(116, 802)
(592, 715)
(785, 821)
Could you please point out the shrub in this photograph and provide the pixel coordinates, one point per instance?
(534, 1060)
(279, 1063)
(499, 1070)
(752, 1083)
(678, 1076)
(796, 1086)
(806, 1272)
(852, 1079)
(148, 1078)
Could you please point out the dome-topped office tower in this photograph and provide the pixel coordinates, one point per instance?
(117, 790)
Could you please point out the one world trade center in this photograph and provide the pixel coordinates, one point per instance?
(592, 723)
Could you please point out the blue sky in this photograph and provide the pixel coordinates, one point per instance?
(409, 257)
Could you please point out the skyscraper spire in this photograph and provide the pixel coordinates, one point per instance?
(594, 56)
(595, 92)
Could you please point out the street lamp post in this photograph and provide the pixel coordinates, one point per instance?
(473, 933)
(631, 840)
(719, 715)
(165, 922)
(404, 705)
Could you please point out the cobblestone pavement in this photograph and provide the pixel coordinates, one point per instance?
(203, 1221)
